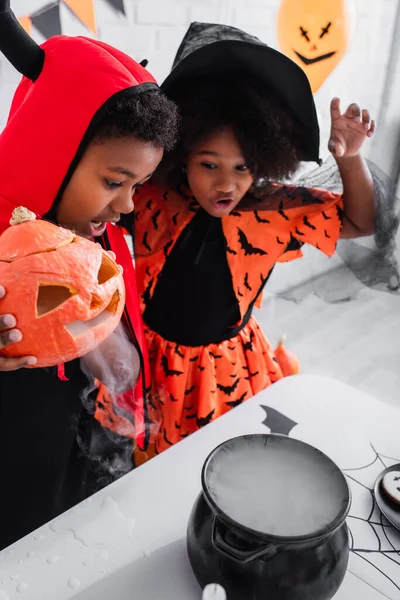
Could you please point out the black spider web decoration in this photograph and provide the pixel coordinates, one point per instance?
(372, 538)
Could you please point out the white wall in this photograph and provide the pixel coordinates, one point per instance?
(153, 29)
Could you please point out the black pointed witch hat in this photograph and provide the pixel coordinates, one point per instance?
(219, 50)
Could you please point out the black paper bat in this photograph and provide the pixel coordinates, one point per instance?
(327, 234)
(215, 355)
(194, 358)
(177, 426)
(279, 241)
(200, 368)
(277, 422)
(299, 232)
(168, 372)
(326, 216)
(230, 250)
(190, 390)
(174, 218)
(234, 403)
(228, 389)
(165, 195)
(172, 398)
(246, 282)
(149, 204)
(248, 249)
(205, 420)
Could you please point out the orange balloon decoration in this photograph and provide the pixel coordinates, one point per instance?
(315, 34)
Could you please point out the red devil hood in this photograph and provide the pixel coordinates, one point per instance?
(51, 118)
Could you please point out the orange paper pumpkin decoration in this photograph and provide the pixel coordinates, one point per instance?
(66, 292)
(315, 35)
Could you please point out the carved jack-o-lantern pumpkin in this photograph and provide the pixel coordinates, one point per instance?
(315, 35)
(66, 292)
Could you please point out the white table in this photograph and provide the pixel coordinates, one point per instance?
(128, 541)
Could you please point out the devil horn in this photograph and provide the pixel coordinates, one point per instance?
(144, 62)
(17, 46)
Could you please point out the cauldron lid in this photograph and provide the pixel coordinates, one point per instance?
(276, 486)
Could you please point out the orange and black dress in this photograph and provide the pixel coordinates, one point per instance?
(199, 278)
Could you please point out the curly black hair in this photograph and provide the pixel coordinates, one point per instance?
(266, 132)
(148, 115)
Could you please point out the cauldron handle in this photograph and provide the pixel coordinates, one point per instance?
(237, 554)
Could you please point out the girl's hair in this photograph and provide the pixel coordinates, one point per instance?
(148, 115)
(266, 132)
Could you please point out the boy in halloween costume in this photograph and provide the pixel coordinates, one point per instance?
(87, 126)
(206, 241)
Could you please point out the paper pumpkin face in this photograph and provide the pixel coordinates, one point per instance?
(315, 35)
(66, 292)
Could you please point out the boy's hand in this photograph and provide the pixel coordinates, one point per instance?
(349, 130)
(9, 335)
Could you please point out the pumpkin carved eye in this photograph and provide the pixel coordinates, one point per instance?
(51, 296)
(108, 269)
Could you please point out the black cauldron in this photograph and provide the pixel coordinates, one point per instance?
(270, 521)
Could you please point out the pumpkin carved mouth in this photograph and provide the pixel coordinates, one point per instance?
(77, 328)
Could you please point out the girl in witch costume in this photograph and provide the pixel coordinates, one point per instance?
(212, 225)
(87, 126)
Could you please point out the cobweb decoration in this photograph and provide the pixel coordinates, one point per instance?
(374, 542)
(372, 538)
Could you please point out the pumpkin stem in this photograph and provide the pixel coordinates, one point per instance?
(21, 215)
(282, 340)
